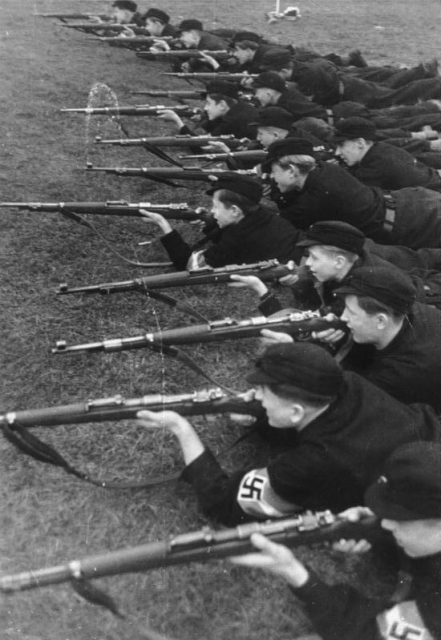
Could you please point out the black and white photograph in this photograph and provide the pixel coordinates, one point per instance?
(220, 243)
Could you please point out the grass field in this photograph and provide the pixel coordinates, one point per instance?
(48, 517)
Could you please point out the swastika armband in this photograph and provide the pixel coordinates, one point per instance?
(257, 498)
(403, 622)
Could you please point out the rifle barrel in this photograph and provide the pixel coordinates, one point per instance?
(208, 75)
(135, 110)
(202, 545)
(172, 211)
(114, 408)
(172, 173)
(175, 93)
(256, 155)
(186, 54)
(74, 16)
(268, 271)
(173, 141)
(300, 325)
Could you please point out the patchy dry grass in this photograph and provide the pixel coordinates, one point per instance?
(48, 517)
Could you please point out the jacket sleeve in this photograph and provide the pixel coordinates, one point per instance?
(298, 477)
(269, 304)
(178, 250)
(244, 496)
(340, 612)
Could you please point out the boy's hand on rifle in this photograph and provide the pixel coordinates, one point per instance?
(275, 558)
(354, 514)
(157, 219)
(171, 116)
(191, 445)
(247, 82)
(243, 419)
(163, 420)
(251, 282)
(274, 337)
(159, 46)
(127, 33)
(216, 147)
(290, 279)
(209, 60)
(330, 336)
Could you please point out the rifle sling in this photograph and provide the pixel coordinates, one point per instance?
(80, 220)
(32, 446)
(172, 302)
(163, 155)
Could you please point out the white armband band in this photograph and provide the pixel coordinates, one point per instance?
(403, 622)
(257, 498)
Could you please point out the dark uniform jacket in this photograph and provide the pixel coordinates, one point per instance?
(318, 79)
(259, 236)
(299, 105)
(328, 464)
(235, 122)
(331, 193)
(170, 31)
(409, 368)
(339, 612)
(386, 166)
(257, 64)
(212, 42)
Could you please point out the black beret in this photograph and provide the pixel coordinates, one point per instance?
(189, 25)
(289, 147)
(388, 285)
(335, 234)
(157, 14)
(410, 488)
(274, 117)
(242, 185)
(222, 87)
(276, 59)
(269, 80)
(246, 36)
(300, 364)
(125, 5)
(353, 128)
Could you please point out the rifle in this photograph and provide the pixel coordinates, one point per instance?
(171, 211)
(254, 155)
(171, 173)
(183, 54)
(212, 401)
(211, 75)
(174, 141)
(90, 27)
(300, 325)
(267, 271)
(136, 110)
(198, 546)
(141, 38)
(74, 16)
(194, 94)
(15, 424)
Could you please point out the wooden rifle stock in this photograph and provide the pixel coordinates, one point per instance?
(206, 401)
(198, 546)
(299, 325)
(268, 271)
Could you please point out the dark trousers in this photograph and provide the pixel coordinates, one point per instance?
(417, 218)
(390, 76)
(376, 96)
